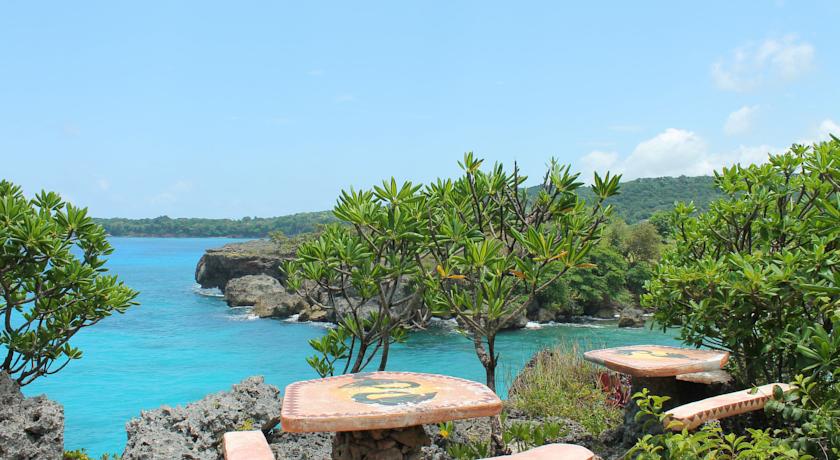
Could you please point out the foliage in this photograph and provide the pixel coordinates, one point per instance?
(709, 442)
(738, 276)
(363, 270)
(812, 409)
(247, 227)
(642, 198)
(643, 243)
(604, 284)
(522, 435)
(52, 282)
(494, 252)
(81, 454)
(562, 384)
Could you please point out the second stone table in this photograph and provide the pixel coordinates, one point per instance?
(380, 414)
(658, 368)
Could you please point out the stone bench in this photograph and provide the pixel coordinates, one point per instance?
(246, 445)
(552, 452)
(690, 416)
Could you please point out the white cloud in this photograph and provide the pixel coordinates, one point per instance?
(821, 132)
(347, 97)
(752, 64)
(673, 152)
(740, 121)
(103, 184)
(828, 126)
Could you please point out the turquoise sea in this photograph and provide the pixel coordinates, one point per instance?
(181, 343)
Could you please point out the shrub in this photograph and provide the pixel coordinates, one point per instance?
(709, 442)
(736, 278)
(52, 282)
(561, 383)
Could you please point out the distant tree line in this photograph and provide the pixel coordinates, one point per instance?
(247, 227)
(640, 199)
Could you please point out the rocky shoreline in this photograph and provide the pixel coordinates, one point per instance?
(248, 274)
(194, 431)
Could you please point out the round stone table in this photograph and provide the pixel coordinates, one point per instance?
(379, 415)
(659, 368)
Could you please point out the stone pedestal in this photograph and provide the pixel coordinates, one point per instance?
(391, 444)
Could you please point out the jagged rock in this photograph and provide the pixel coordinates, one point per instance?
(279, 305)
(30, 428)
(300, 446)
(631, 317)
(316, 313)
(517, 322)
(248, 289)
(195, 431)
(258, 257)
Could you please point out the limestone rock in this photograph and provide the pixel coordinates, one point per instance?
(258, 257)
(248, 289)
(30, 428)
(195, 430)
(279, 305)
(630, 317)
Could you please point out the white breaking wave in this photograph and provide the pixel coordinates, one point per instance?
(207, 292)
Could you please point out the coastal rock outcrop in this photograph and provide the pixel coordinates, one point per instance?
(631, 317)
(258, 257)
(248, 289)
(195, 430)
(30, 428)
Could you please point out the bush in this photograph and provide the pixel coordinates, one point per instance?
(52, 282)
(709, 442)
(561, 383)
(736, 278)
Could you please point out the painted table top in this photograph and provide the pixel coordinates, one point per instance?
(657, 360)
(381, 400)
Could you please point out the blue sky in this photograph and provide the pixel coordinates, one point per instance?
(232, 109)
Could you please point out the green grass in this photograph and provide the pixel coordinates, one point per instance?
(562, 384)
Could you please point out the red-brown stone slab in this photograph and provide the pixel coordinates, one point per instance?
(657, 360)
(381, 400)
(246, 445)
(690, 416)
(552, 452)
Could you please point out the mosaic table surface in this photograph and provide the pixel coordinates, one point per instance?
(382, 400)
(657, 360)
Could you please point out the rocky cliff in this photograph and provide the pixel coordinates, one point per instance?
(258, 257)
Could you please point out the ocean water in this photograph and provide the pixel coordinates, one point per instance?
(182, 343)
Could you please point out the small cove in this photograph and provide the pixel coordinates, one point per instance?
(182, 343)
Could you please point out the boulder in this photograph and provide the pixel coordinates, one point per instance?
(248, 289)
(631, 317)
(279, 305)
(30, 428)
(258, 257)
(317, 313)
(195, 431)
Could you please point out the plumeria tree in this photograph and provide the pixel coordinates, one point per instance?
(495, 248)
(53, 282)
(364, 268)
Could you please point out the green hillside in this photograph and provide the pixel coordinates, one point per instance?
(247, 227)
(638, 200)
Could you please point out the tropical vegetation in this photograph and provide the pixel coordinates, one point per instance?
(53, 282)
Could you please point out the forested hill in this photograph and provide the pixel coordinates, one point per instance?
(640, 198)
(247, 227)
(637, 201)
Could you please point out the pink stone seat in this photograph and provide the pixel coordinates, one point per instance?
(246, 445)
(690, 416)
(657, 360)
(383, 400)
(552, 452)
